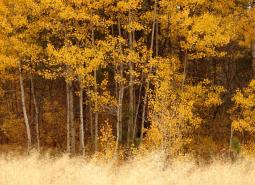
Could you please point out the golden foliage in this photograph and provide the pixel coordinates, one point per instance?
(243, 110)
(107, 141)
(178, 109)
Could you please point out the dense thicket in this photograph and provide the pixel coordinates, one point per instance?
(84, 76)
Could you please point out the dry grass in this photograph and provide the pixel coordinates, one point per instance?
(150, 170)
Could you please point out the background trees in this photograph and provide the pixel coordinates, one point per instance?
(159, 73)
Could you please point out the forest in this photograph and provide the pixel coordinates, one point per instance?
(123, 77)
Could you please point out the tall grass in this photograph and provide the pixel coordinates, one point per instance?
(149, 170)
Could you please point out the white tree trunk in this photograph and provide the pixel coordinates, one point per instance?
(82, 146)
(23, 101)
(120, 98)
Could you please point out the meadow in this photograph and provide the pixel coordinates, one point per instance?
(147, 170)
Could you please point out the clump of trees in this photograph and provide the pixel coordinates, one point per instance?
(84, 76)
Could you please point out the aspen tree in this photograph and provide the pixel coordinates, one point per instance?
(120, 95)
(23, 101)
(131, 84)
(82, 145)
(148, 82)
(17, 49)
(36, 114)
(96, 105)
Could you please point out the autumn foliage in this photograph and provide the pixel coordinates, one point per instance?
(120, 76)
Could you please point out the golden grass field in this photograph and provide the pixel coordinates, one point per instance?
(149, 170)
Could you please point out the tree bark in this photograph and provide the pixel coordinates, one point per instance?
(23, 102)
(148, 81)
(36, 115)
(137, 109)
(120, 98)
(253, 59)
(131, 90)
(184, 70)
(96, 113)
(230, 141)
(16, 98)
(72, 123)
(68, 143)
(82, 146)
(96, 103)
(91, 123)
(156, 38)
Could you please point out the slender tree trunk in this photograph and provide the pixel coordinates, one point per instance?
(253, 58)
(120, 98)
(131, 105)
(68, 142)
(23, 102)
(230, 141)
(137, 110)
(148, 81)
(13, 97)
(72, 123)
(119, 112)
(96, 113)
(116, 82)
(96, 103)
(131, 91)
(16, 98)
(184, 70)
(156, 37)
(82, 146)
(144, 110)
(91, 124)
(36, 115)
(30, 103)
